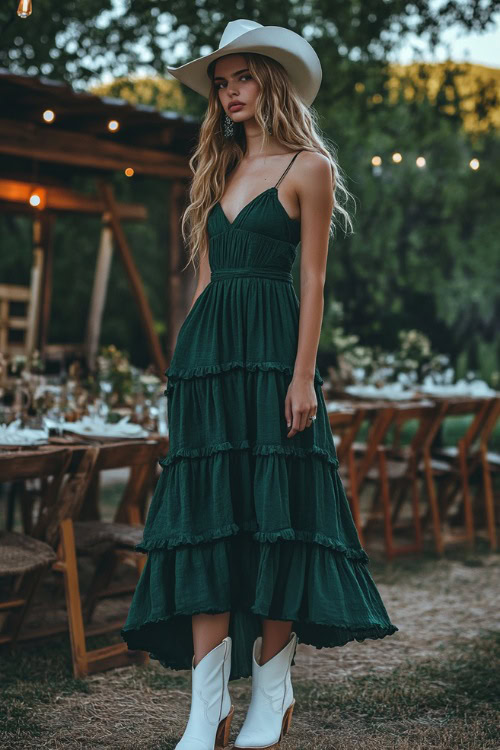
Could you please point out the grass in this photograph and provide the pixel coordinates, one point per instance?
(452, 701)
(416, 705)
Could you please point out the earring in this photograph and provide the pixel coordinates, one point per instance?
(228, 127)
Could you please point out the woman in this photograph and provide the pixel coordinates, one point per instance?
(250, 539)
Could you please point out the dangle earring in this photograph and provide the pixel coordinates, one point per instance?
(228, 127)
(268, 125)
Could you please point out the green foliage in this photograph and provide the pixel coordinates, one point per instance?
(424, 255)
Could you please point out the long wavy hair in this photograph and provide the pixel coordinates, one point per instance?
(293, 124)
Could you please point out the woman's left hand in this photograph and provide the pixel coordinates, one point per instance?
(300, 404)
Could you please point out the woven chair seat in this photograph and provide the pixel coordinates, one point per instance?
(20, 553)
(95, 537)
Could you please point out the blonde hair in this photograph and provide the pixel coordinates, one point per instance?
(293, 125)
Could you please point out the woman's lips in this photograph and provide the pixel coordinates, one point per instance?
(234, 107)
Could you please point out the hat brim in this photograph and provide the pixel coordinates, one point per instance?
(290, 49)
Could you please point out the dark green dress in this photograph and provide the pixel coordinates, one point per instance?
(243, 518)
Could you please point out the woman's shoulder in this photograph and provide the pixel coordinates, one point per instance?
(315, 167)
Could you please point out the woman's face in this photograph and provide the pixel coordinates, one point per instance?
(234, 83)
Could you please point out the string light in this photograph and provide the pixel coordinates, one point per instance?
(24, 9)
(129, 172)
(37, 198)
(49, 115)
(420, 161)
(113, 125)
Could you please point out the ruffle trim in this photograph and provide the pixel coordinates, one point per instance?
(257, 450)
(259, 536)
(202, 370)
(358, 633)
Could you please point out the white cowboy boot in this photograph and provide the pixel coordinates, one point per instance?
(270, 711)
(211, 709)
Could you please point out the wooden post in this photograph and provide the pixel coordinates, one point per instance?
(133, 276)
(99, 291)
(35, 287)
(47, 242)
(180, 286)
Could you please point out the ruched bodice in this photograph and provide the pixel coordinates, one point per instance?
(244, 518)
(264, 216)
(249, 252)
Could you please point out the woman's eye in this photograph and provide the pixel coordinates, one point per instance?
(245, 75)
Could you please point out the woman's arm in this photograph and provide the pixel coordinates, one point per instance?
(315, 192)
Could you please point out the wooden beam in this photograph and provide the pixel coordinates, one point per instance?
(63, 199)
(180, 286)
(48, 222)
(133, 277)
(36, 288)
(99, 290)
(48, 143)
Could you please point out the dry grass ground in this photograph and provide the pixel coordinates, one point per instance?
(434, 684)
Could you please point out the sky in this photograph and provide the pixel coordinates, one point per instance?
(455, 44)
(459, 46)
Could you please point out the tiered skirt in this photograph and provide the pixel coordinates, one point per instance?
(244, 519)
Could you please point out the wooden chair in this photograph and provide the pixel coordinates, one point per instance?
(490, 464)
(398, 470)
(112, 543)
(24, 559)
(459, 462)
(106, 542)
(469, 458)
(347, 422)
(362, 456)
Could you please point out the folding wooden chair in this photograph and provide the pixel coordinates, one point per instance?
(460, 462)
(23, 558)
(108, 541)
(362, 456)
(347, 421)
(398, 470)
(112, 543)
(471, 457)
(490, 463)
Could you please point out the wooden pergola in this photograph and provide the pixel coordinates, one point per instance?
(39, 157)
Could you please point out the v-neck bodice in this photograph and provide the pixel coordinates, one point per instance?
(262, 236)
(263, 215)
(267, 215)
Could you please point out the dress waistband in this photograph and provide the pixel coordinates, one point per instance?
(265, 273)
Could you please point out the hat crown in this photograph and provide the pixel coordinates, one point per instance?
(234, 29)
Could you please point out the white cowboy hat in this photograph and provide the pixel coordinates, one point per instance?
(290, 49)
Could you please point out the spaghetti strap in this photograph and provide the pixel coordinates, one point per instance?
(286, 170)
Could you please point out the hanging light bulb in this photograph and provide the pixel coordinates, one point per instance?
(24, 9)
(38, 197)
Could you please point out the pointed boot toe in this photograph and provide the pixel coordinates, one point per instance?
(271, 706)
(211, 711)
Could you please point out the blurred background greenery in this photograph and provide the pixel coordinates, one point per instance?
(424, 255)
